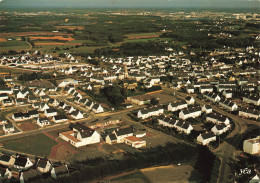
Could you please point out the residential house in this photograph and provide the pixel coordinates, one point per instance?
(50, 112)
(219, 129)
(134, 142)
(44, 165)
(227, 104)
(22, 162)
(8, 128)
(177, 106)
(29, 176)
(5, 174)
(59, 171)
(59, 119)
(111, 139)
(140, 99)
(81, 135)
(97, 108)
(42, 122)
(121, 133)
(217, 118)
(191, 112)
(77, 114)
(252, 99)
(207, 109)
(7, 160)
(146, 113)
(206, 138)
(249, 113)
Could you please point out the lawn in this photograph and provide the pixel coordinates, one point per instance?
(39, 145)
(137, 177)
(14, 45)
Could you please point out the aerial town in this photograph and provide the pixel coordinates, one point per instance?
(190, 109)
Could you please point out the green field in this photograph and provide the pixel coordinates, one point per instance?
(137, 177)
(13, 45)
(39, 145)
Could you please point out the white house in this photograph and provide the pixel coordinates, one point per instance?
(50, 112)
(217, 118)
(177, 106)
(146, 113)
(22, 162)
(184, 127)
(249, 113)
(97, 108)
(77, 114)
(213, 97)
(190, 100)
(59, 171)
(121, 133)
(42, 122)
(135, 141)
(191, 112)
(28, 176)
(81, 135)
(219, 129)
(8, 128)
(206, 138)
(207, 109)
(44, 165)
(229, 105)
(5, 174)
(59, 119)
(252, 99)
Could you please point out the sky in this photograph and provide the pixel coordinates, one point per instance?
(133, 3)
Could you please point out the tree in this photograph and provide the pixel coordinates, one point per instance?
(117, 100)
(154, 101)
(2, 82)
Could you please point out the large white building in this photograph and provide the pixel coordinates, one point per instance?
(81, 135)
(252, 146)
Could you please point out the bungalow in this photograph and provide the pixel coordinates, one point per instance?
(43, 106)
(77, 114)
(146, 113)
(207, 109)
(3, 96)
(81, 135)
(59, 171)
(89, 105)
(5, 174)
(53, 102)
(219, 129)
(140, 99)
(177, 106)
(32, 98)
(22, 162)
(59, 119)
(7, 102)
(217, 118)
(42, 122)
(134, 141)
(206, 138)
(33, 113)
(191, 112)
(111, 139)
(227, 104)
(50, 112)
(29, 176)
(3, 121)
(97, 108)
(252, 99)
(183, 127)
(36, 105)
(62, 105)
(249, 113)
(69, 109)
(121, 133)
(6, 90)
(227, 93)
(166, 121)
(204, 89)
(19, 101)
(190, 89)
(213, 97)
(66, 82)
(190, 100)
(7, 160)
(8, 128)
(44, 165)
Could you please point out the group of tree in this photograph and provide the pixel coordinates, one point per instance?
(115, 94)
(34, 76)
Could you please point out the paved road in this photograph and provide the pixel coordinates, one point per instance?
(226, 151)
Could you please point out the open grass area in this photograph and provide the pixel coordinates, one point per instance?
(13, 45)
(39, 145)
(137, 177)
